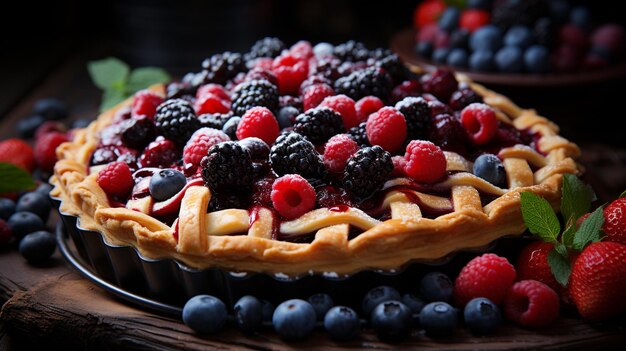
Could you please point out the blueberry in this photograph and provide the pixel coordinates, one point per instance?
(520, 36)
(248, 313)
(482, 316)
(581, 17)
(376, 296)
(205, 314)
(449, 19)
(26, 127)
(440, 55)
(321, 304)
(436, 286)
(488, 37)
(414, 303)
(50, 108)
(267, 310)
(482, 60)
(44, 189)
(36, 203)
(490, 168)
(37, 247)
(80, 123)
(166, 183)
(460, 39)
(256, 147)
(7, 208)
(323, 49)
(439, 319)
(286, 116)
(294, 319)
(23, 223)
(230, 127)
(424, 48)
(537, 59)
(510, 59)
(479, 4)
(342, 323)
(457, 58)
(392, 320)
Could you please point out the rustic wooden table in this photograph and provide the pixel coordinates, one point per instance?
(53, 306)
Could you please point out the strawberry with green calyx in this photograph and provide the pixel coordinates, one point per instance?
(595, 291)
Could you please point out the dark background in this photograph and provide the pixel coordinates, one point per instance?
(178, 35)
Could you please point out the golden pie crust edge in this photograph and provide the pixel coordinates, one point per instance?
(384, 245)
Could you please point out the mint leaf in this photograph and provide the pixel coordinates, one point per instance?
(141, 78)
(568, 235)
(559, 265)
(107, 72)
(575, 199)
(13, 178)
(110, 98)
(589, 230)
(540, 217)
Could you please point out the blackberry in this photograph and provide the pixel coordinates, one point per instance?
(176, 120)
(328, 67)
(369, 81)
(220, 68)
(366, 171)
(214, 120)
(352, 51)
(463, 97)
(254, 93)
(319, 124)
(225, 200)
(447, 132)
(359, 134)
(544, 32)
(178, 90)
(138, 132)
(293, 154)
(392, 64)
(227, 165)
(266, 47)
(417, 114)
(230, 127)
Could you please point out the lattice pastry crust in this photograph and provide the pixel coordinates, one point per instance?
(241, 240)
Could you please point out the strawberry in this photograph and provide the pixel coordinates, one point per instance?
(615, 221)
(18, 153)
(428, 12)
(473, 19)
(598, 280)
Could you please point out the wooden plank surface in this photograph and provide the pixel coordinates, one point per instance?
(52, 305)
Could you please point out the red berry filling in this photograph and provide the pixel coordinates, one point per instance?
(425, 162)
(258, 122)
(116, 180)
(292, 196)
(531, 304)
(386, 128)
(480, 121)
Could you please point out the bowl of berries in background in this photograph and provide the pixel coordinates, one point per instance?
(515, 42)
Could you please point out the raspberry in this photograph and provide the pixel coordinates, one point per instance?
(211, 103)
(116, 179)
(464, 97)
(292, 154)
(319, 124)
(532, 263)
(49, 127)
(220, 68)
(5, 232)
(425, 162)
(369, 81)
(159, 153)
(258, 73)
(254, 93)
(480, 121)
(214, 89)
(226, 166)
(417, 114)
(313, 80)
(258, 122)
(386, 128)
(18, 153)
(615, 221)
(366, 171)
(302, 49)
(441, 84)
(145, 103)
(200, 143)
(290, 71)
(399, 164)
(531, 304)
(406, 89)
(176, 120)
(315, 94)
(366, 106)
(487, 276)
(337, 151)
(346, 108)
(292, 196)
(45, 150)
(472, 19)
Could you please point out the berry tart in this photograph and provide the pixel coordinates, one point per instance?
(310, 160)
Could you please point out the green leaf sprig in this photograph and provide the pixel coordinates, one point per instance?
(542, 221)
(118, 81)
(13, 178)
